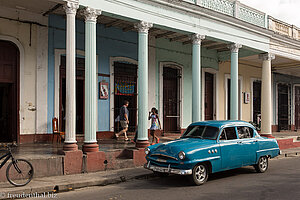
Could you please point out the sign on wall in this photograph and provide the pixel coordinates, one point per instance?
(246, 97)
(103, 90)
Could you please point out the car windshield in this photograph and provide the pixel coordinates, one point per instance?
(203, 132)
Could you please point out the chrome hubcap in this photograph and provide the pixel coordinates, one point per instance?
(263, 163)
(200, 173)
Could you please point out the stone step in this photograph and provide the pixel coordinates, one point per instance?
(288, 143)
(49, 166)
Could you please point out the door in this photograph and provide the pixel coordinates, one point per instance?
(171, 103)
(297, 107)
(228, 99)
(231, 150)
(80, 63)
(209, 96)
(9, 68)
(125, 83)
(283, 106)
(256, 101)
(249, 145)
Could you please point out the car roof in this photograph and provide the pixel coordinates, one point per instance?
(223, 123)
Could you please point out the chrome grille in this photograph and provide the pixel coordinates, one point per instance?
(164, 157)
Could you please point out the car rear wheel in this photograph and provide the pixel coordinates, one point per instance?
(262, 164)
(200, 174)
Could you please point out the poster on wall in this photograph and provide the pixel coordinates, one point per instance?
(125, 88)
(103, 90)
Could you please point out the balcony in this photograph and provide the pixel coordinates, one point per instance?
(283, 28)
(248, 14)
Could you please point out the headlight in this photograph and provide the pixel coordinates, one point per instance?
(147, 151)
(181, 155)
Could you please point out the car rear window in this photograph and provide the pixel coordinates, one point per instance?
(204, 132)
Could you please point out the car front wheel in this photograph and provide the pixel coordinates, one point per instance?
(262, 164)
(200, 174)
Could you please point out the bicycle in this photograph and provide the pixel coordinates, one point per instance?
(19, 172)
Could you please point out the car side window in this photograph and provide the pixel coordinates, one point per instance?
(223, 135)
(244, 132)
(228, 134)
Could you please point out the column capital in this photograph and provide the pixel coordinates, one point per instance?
(71, 7)
(143, 27)
(234, 48)
(267, 56)
(90, 14)
(197, 38)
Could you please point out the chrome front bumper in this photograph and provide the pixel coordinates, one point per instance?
(167, 169)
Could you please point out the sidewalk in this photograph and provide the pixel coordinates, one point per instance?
(50, 185)
(53, 184)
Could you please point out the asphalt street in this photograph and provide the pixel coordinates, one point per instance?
(281, 181)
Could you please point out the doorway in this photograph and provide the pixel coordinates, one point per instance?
(125, 88)
(9, 91)
(297, 107)
(209, 96)
(256, 101)
(228, 99)
(171, 100)
(80, 63)
(283, 106)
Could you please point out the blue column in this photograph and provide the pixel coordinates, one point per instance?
(196, 76)
(143, 27)
(90, 125)
(234, 82)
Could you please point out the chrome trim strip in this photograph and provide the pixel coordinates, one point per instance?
(167, 169)
(268, 150)
(158, 154)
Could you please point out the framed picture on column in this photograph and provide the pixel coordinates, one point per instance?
(103, 90)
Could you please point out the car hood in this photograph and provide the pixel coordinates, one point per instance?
(184, 144)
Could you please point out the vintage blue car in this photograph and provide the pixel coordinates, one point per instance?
(212, 146)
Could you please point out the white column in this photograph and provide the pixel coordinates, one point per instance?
(90, 141)
(266, 95)
(143, 28)
(196, 76)
(70, 132)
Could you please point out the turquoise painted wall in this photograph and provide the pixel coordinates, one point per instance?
(167, 51)
(111, 42)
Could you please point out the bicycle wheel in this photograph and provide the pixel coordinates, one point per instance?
(19, 172)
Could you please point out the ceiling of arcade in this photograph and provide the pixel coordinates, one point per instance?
(46, 7)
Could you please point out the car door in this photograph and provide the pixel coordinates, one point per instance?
(249, 145)
(231, 150)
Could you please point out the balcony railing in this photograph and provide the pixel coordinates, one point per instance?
(247, 14)
(283, 28)
(235, 9)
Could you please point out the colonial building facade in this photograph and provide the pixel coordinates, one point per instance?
(77, 61)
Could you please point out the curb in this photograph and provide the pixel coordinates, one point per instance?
(289, 153)
(51, 190)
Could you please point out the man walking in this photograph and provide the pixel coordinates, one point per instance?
(124, 114)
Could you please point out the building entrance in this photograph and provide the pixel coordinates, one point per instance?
(125, 88)
(9, 91)
(171, 102)
(209, 96)
(80, 63)
(283, 106)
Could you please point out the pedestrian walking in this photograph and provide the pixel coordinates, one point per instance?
(155, 124)
(124, 120)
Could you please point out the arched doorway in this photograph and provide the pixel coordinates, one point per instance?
(9, 91)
